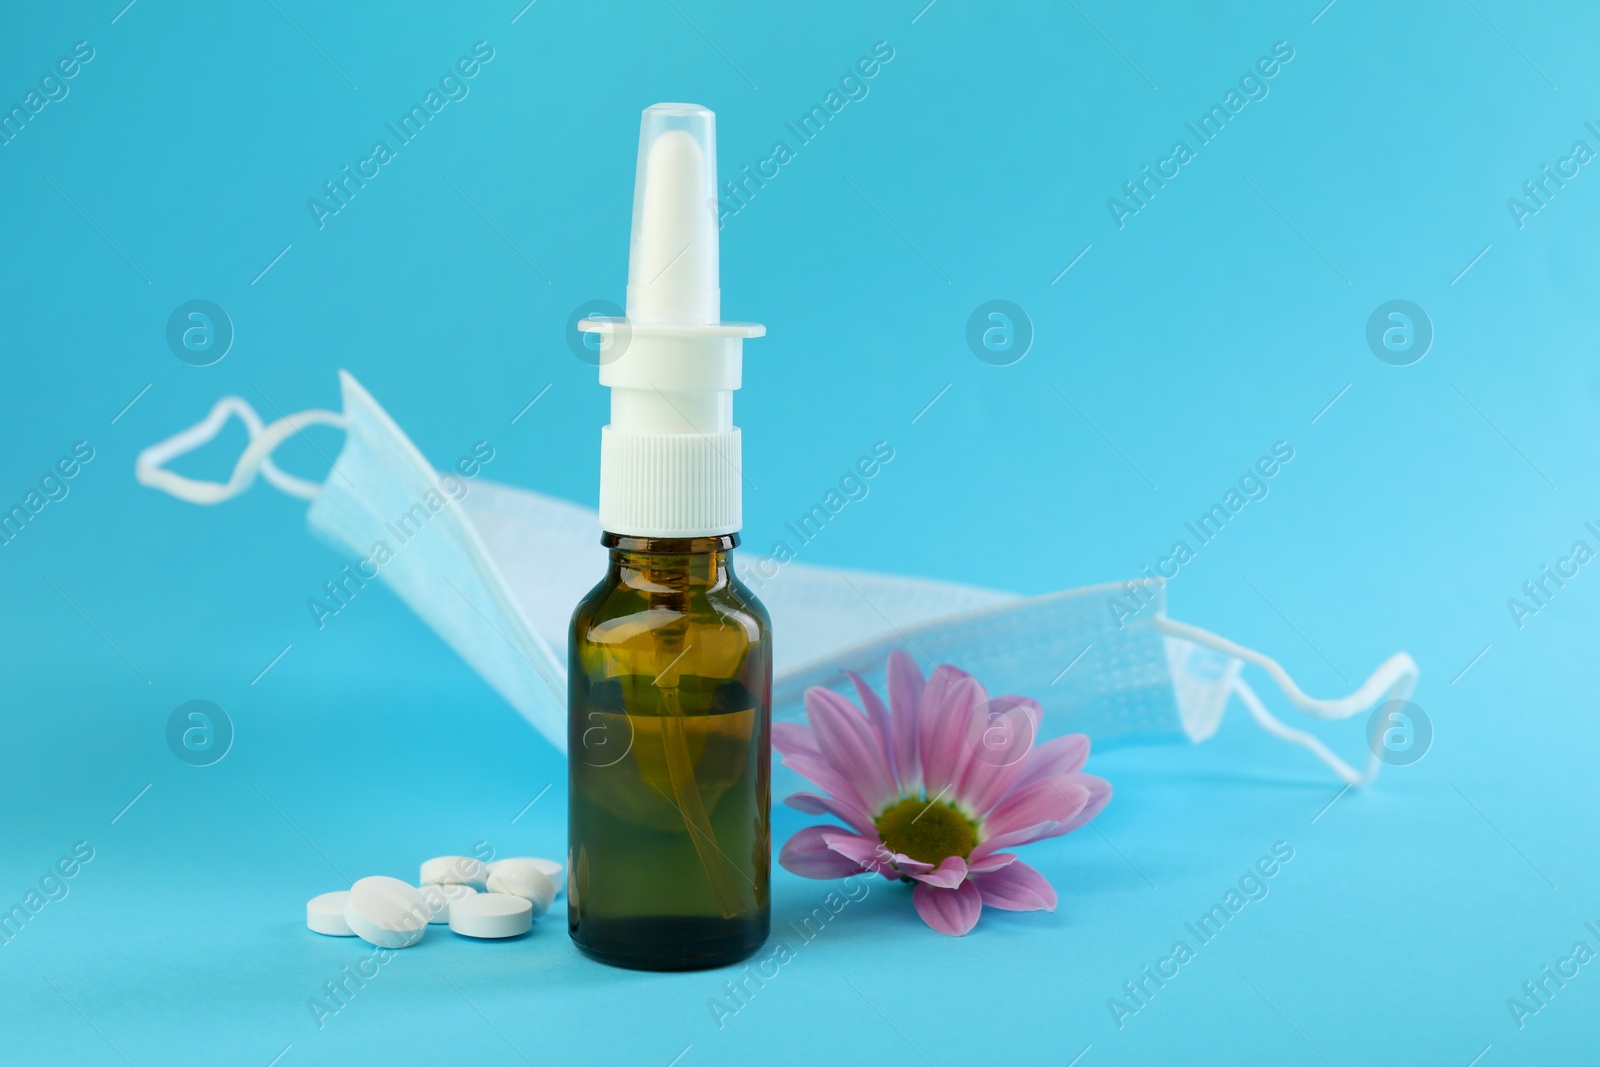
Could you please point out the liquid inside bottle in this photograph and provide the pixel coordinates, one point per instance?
(669, 845)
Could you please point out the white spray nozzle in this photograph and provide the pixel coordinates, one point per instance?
(672, 258)
(669, 459)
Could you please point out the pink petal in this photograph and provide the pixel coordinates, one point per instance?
(990, 863)
(1099, 796)
(949, 911)
(808, 855)
(1016, 887)
(991, 845)
(1057, 799)
(793, 739)
(983, 784)
(905, 697)
(872, 854)
(949, 874)
(817, 804)
(905, 865)
(849, 744)
(878, 715)
(1001, 744)
(1059, 755)
(943, 731)
(820, 771)
(947, 672)
(1014, 700)
(863, 851)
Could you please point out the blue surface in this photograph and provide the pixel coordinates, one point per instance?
(1224, 316)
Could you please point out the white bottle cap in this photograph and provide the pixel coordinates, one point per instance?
(670, 458)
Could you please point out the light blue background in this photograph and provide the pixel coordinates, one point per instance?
(1222, 319)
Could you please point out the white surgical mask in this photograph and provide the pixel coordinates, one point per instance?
(496, 571)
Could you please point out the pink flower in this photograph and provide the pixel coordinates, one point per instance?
(933, 788)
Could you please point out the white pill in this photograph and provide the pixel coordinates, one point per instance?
(523, 878)
(552, 870)
(387, 912)
(325, 914)
(454, 870)
(491, 915)
(440, 897)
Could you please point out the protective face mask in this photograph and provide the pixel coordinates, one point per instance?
(496, 571)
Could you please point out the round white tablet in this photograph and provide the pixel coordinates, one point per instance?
(325, 914)
(387, 912)
(523, 878)
(440, 897)
(552, 870)
(454, 870)
(491, 915)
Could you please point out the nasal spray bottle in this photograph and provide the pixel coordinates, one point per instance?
(670, 686)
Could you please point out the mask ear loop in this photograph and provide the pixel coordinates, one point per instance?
(1396, 679)
(149, 468)
(1278, 728)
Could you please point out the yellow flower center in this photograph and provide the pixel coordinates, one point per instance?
(925, 831)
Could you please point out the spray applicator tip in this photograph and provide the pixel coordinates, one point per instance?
(673, 255)
(670, 456)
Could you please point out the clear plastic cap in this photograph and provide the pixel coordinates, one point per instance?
(673, 270)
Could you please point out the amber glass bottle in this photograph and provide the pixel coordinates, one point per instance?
(669, 847)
